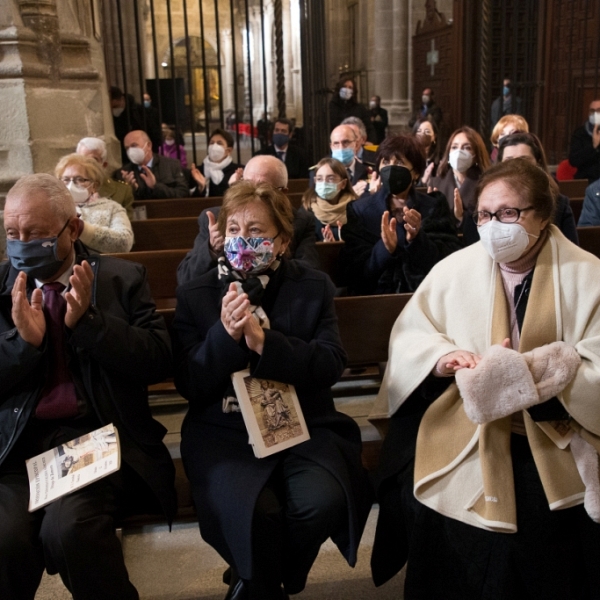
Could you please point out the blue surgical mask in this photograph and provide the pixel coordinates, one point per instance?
(36, 258)
(505, 90)
(249, 255)
(344, 155)
(325, 190)
(147, 103)
(281, 139)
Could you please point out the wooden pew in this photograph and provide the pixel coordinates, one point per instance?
(573, 188)
(329, 258)
(297, 186)
(189, 207)
(589, 239)
(365, 324)
(164, 234)
(576, 206)
(161, 266)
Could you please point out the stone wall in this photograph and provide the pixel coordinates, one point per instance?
(51, 83)
(373, 40)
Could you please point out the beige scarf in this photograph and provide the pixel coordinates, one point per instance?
(464, 470)
(330, 214)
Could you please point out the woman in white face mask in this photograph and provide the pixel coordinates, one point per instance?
(329, 198)
(105, 226)
(463, 163)
(344, 103)
(213, 175)
(492, 383)
(527, 146)
(173, 146)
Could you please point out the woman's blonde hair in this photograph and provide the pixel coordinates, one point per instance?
(338, 169)
(518, 122)
(90, 167)
(246, 192)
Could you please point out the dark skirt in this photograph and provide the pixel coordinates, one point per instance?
(553, 555)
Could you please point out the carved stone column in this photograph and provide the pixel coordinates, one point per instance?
(51, 86)
(392, 58)
(227, 69)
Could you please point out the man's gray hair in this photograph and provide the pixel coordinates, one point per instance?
(358, 122)
(265, 168)
(58, 195)
(95, 145)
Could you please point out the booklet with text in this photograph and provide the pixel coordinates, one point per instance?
(72, 465)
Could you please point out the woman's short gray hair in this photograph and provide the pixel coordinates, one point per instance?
(58, 195)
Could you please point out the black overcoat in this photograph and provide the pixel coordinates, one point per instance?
(302, 348)
(119, 347)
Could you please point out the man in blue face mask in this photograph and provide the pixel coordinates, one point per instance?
(285, 150)
(506, 104)
(80, 341)
(344, 145)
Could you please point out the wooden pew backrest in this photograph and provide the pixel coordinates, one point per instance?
(589, 239)
(164, 234)
(189, 207)
(365, 324)
(573, 188)
(161, 266)
(576, 206)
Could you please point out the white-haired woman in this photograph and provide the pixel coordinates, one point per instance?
(106, 227)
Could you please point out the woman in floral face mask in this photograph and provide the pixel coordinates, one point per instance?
(261, 311)
(105, 226)
(213, 175)
(329, 198)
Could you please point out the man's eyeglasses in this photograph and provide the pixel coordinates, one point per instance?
(504, 215)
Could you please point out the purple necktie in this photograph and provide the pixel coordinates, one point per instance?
(58, 400)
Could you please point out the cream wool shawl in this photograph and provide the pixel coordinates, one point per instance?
(464, 470)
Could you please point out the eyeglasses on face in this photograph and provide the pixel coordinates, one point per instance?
(504, 215)
(328, 179)
(75, 180)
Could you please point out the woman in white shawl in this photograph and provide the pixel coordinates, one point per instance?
(488, 483)
(213, 175)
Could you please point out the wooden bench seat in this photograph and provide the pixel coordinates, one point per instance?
(189, 207)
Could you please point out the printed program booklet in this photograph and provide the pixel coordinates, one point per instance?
(271, 412)
(72, 465)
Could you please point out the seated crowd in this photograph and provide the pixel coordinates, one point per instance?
(488, 483)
